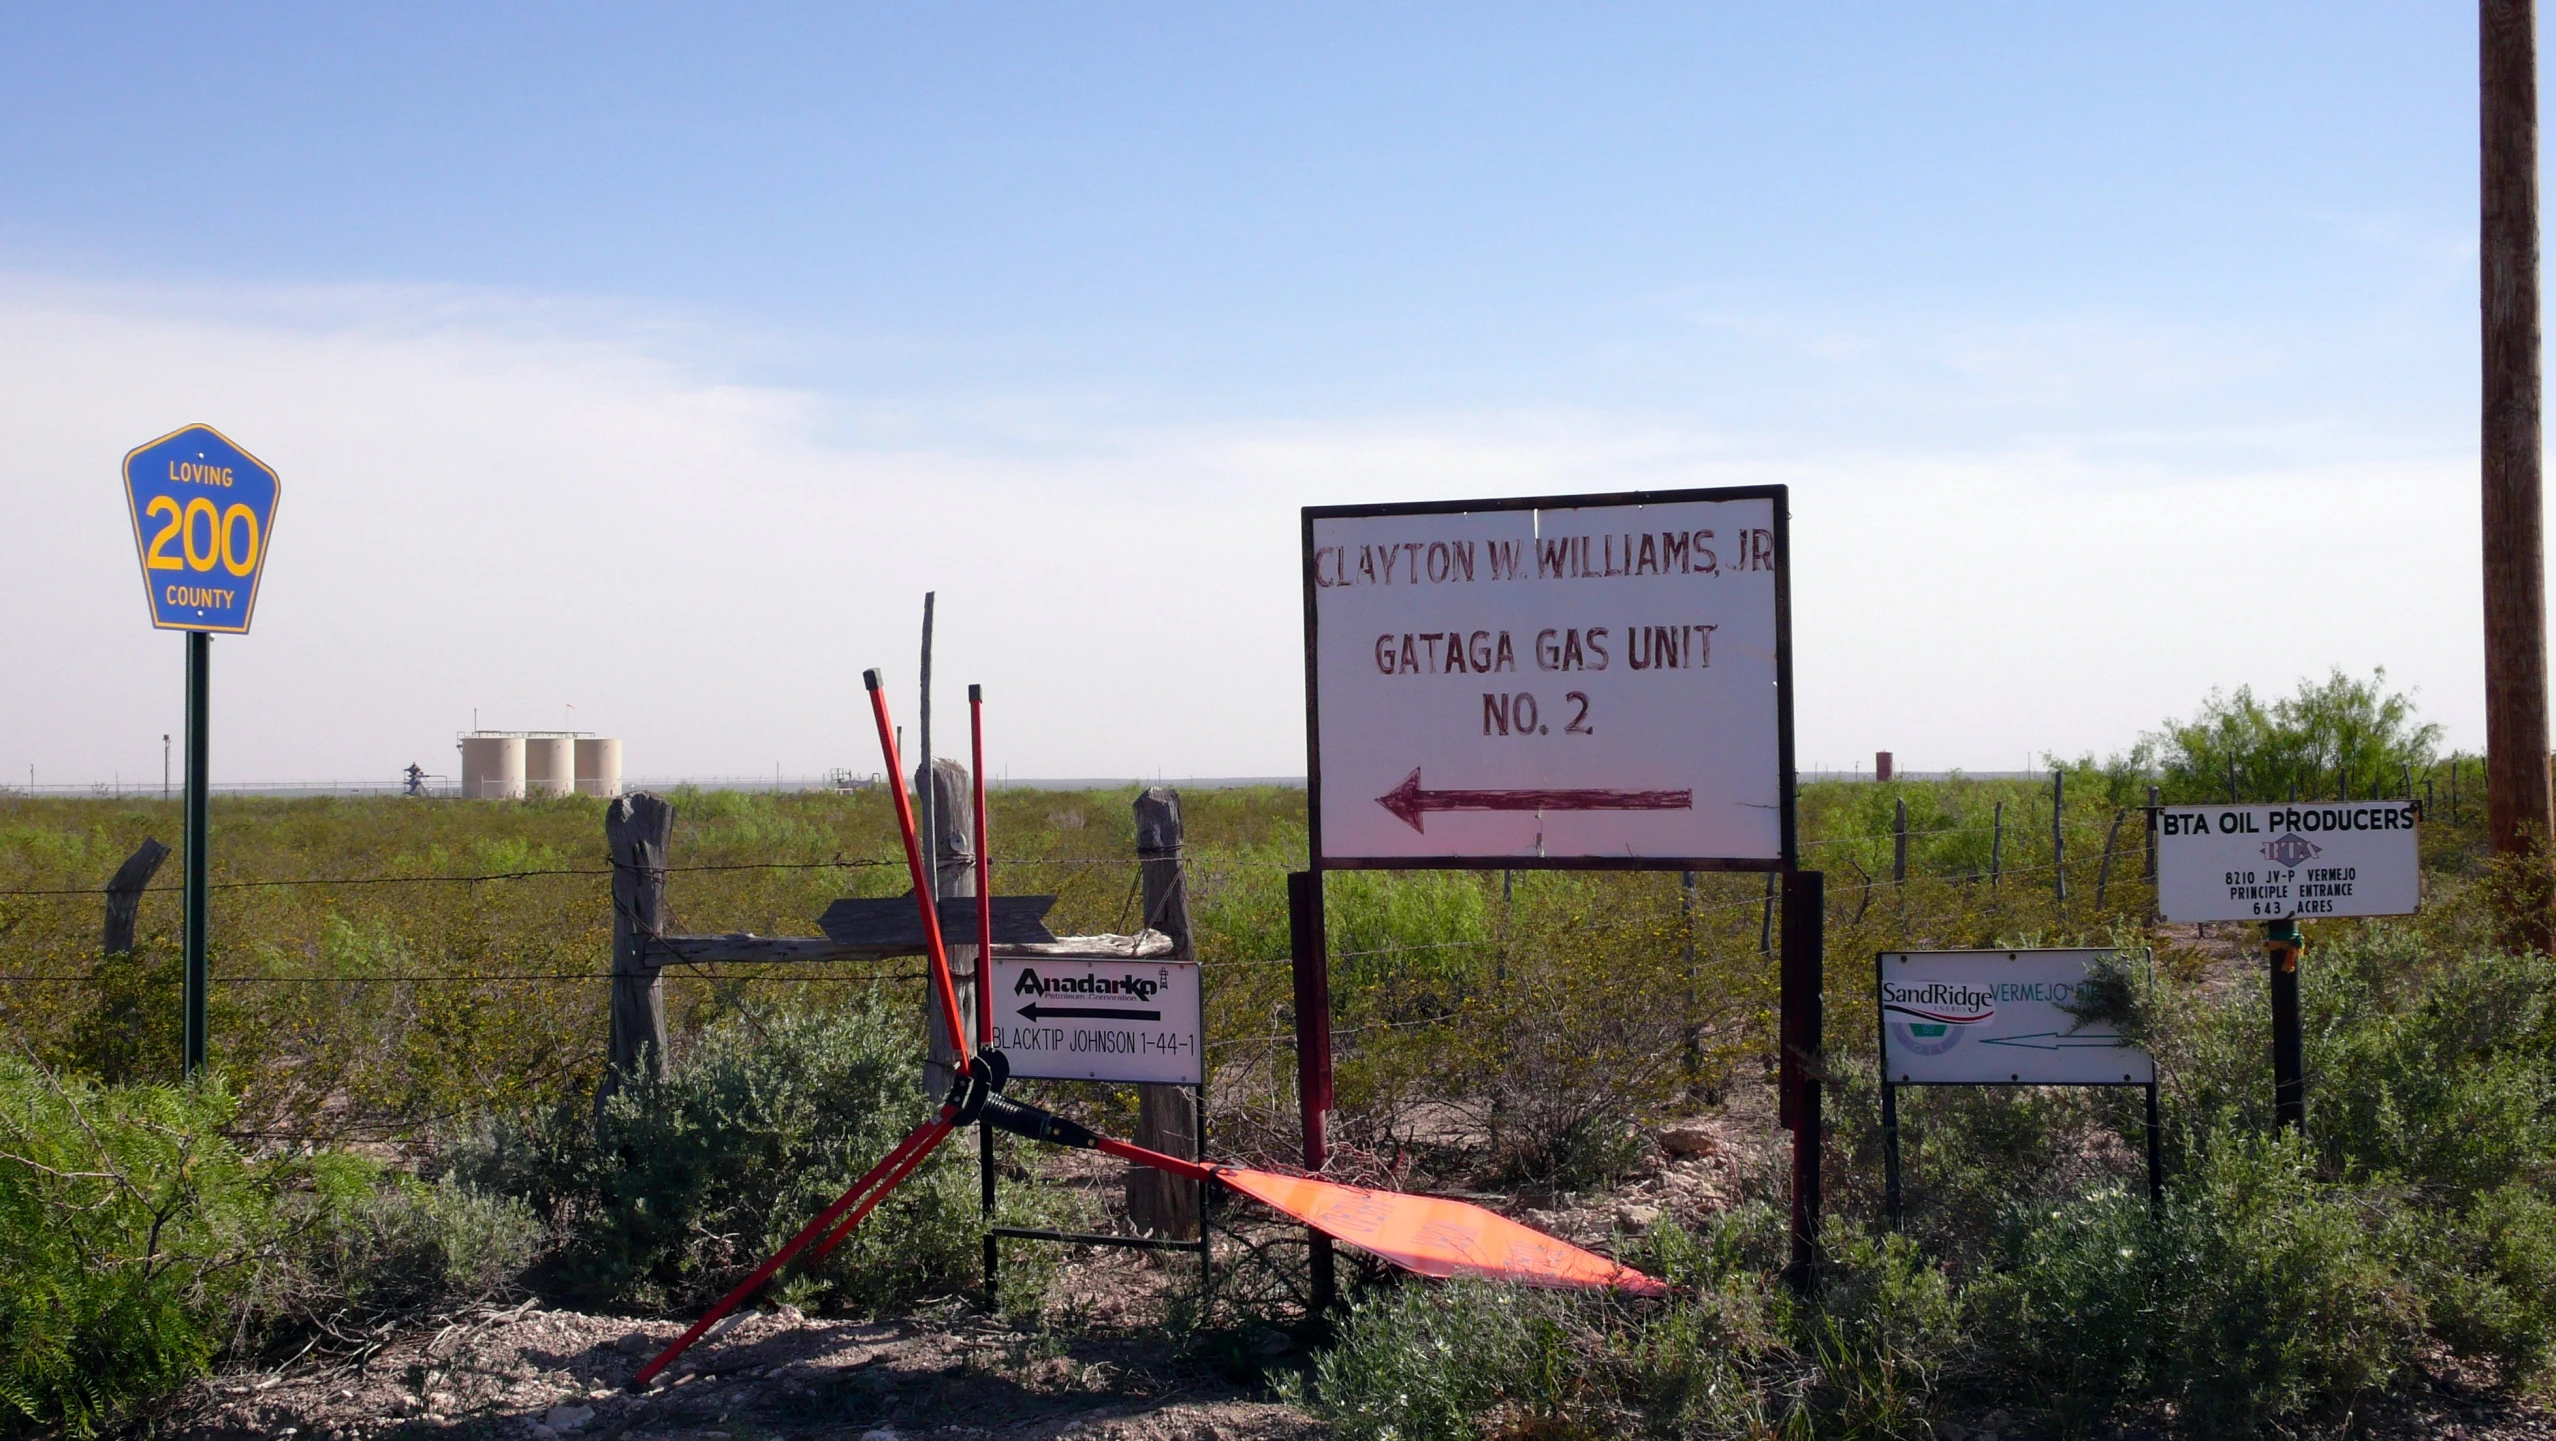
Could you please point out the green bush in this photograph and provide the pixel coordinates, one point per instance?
(1731, 1355)
(127, 1226)
(669, 1197)
(2260, 1296)
(137, 1244)
(2488, 1278)
(1464, 1359)
(365, 1245)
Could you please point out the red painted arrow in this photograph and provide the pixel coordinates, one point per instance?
(1410, 802)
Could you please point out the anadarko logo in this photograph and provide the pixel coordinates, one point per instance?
(1930, 1017)
(1032, 984)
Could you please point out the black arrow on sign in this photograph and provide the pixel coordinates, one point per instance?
(1034, 1010)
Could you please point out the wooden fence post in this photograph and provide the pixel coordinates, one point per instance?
(2103, 873)
(1997, 847)
(1158, 1203)
(2059, 834)
(1899, 844)
(637, 831)
(2148, 868)
(124, 895)
(954, 866)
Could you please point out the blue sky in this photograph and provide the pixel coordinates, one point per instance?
(2062, 321)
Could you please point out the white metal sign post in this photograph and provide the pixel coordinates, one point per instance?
(2276, 864)
(1086, 1020)
(1595, 682)
(1996, 1018)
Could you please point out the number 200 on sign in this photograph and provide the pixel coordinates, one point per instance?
(230, 538)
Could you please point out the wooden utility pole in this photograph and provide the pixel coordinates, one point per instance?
(1158, 1202)
(2516, 762)
(637, 830)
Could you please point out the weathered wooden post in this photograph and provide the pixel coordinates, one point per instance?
(2148, 869)
(954, 867)
(124, 895)
(1899, 844)
(1997, 846)
(2059, 834)
(637, 829)
(1166, 1118)
(2103, 873)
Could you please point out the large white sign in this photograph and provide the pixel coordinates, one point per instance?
(1952, 1018)
(1594, 680)
(1070, 1020)
(2278, 863)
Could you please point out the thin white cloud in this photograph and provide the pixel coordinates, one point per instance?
(511, 507)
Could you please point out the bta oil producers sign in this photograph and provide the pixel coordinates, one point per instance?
(1578, 681)
(1083, 1020)
(1974, 1018)
(2288, 862)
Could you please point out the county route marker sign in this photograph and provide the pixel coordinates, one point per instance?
(1090, 1020)
(2286, 862)
(1972, 1018)
(203, 512)
(1576, 681)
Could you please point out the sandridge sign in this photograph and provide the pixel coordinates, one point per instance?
(1596, 681)
(1997, 1018)
(2302, 860)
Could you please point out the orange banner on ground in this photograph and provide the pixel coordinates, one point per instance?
(1438, 1237)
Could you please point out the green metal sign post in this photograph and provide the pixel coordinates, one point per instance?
(203, 514)
(199, 855)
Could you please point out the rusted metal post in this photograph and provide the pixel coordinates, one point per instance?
(1312, 958)
(1799, 1061)
(2517, 797)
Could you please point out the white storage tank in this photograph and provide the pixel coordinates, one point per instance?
(492, 767)
(599, 766)
(550, 765)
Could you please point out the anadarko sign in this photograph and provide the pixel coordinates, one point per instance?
(2287, 862)
(1997, 1017)
(1077, 1020)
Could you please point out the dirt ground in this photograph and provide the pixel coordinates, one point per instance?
(1099, 1365)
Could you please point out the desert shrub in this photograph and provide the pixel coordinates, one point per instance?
(1884, 1340)
(1732, 1354)
(2432, 1072)
(1465, 1359)
(137, 1245)
(2488, 1278)
(368, 1245)
(2260, 1296)
(679, 1187)
(126, 1227)
(2341, 731)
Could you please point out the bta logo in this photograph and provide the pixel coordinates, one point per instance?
(2291, 849)
(1930, 1017)
(1032, 984)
